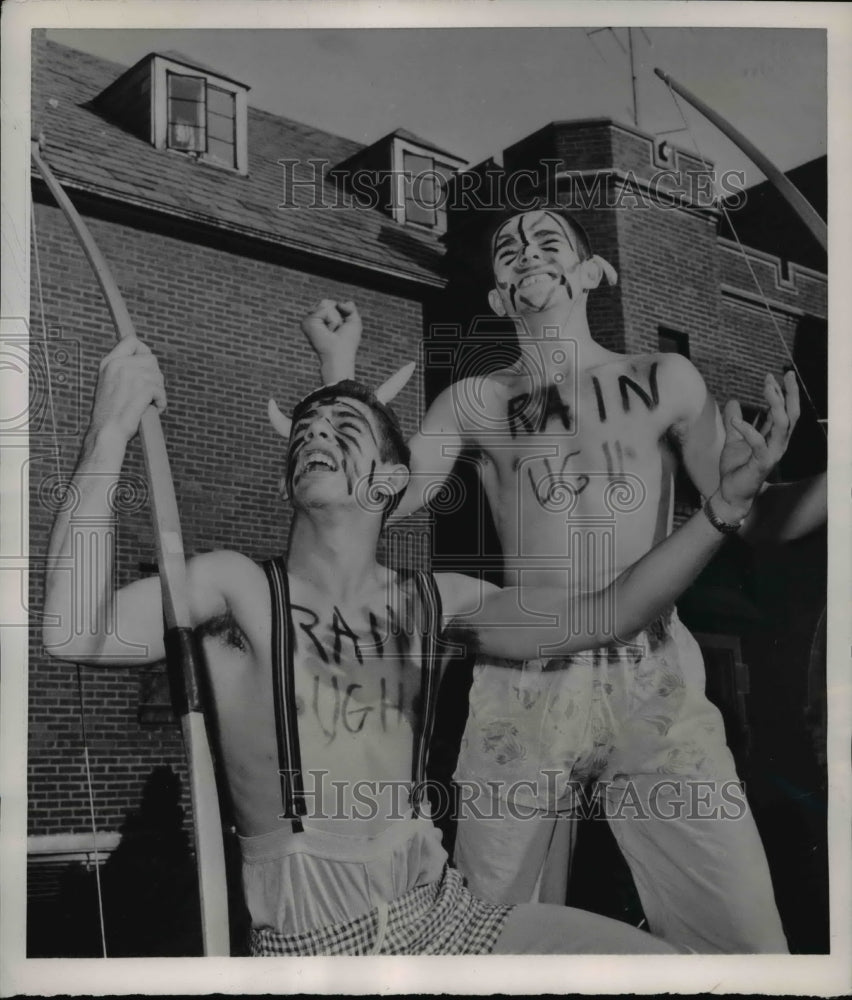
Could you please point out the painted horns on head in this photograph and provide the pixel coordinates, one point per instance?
(283, 425)
(395, 384)
(609, 271)
(387, 391)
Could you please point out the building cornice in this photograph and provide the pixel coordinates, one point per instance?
(775, 261)
(755, 301)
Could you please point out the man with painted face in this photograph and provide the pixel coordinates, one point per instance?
(576, 448)
(323, 667)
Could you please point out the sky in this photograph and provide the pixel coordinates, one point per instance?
(475, 91)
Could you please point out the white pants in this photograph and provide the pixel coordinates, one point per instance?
(704, 883)
(634, 724)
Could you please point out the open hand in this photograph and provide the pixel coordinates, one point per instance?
(333, 330)
(750, 453)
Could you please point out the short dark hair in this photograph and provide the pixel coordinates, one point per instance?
(392, 446)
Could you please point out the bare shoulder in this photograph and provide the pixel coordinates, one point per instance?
(220, 564)
(674, 378)
(221, 581)
(654, 363)
(462, 405)
(684, 387)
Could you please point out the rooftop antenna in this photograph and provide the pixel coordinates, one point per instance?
(629, 52)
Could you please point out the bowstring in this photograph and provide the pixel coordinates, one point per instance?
(763, 298)
(80, 701)
(91, 810)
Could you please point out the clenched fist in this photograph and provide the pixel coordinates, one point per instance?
(333, 330)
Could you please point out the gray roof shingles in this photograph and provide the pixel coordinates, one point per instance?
(91, 153)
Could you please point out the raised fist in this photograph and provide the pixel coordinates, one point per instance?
(333, 330)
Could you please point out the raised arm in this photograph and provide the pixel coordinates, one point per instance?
(434, 450)
(498, 622)
(85, 619)
(334, 330)
(783, 511)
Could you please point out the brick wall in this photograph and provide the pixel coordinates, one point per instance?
(674, 269)
(669, 277)
(225, 329)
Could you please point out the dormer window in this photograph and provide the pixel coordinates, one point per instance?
(403, 176)
(422, 175)
(202, 118)
(179, 105)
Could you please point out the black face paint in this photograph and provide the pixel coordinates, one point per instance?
(347, 424)
(560, 222)
(346, 465)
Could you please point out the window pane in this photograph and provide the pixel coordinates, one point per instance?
(220, 128)
(413, 163)
(415, 212)
(186, 137)
(187, 113)
(187, 88)
(222, 152)
(421, 193)
(220, 102)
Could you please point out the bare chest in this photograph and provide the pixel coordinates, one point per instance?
(354, 691)
(356, 673)
(555, 445)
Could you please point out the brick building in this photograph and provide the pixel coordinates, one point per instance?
(209, 213)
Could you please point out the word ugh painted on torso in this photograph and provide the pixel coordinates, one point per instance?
(356, 672)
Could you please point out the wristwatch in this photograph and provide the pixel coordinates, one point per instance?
(726, 527)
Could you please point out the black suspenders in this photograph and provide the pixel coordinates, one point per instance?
(284, 695)
(430, 679)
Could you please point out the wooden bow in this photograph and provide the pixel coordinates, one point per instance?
(788, 191)
(182, 654)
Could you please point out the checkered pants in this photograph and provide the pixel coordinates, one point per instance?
(441, 918)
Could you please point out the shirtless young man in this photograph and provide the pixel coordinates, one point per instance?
(576, 447)
(323, 667)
